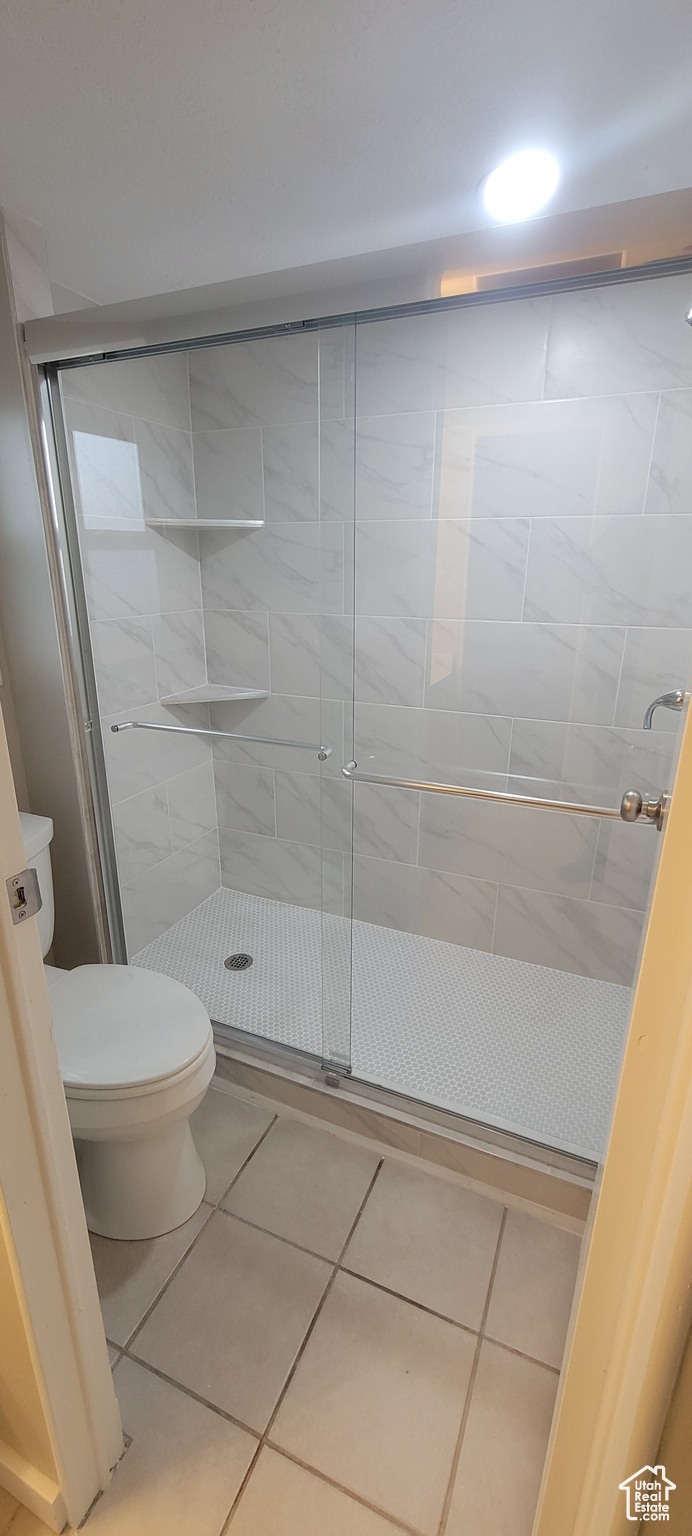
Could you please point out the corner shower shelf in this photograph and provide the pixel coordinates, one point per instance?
(202, 523)
(214, 693)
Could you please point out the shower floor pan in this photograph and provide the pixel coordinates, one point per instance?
(517, 1046)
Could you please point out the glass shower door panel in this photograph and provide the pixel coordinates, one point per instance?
(523, 575)
(206, 575)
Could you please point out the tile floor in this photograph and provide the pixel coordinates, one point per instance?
(337, 1344)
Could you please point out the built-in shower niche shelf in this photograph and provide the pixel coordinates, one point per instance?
(202, 523)
(214, 693)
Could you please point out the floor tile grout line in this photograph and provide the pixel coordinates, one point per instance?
(359, 1212)
(243, 1166)
(244, 1483)
(255, 1227)
(555, 1370)
(410, 1300)
(444, 1517)
(332, 1482)
(323, 1298)
(145, 1318)
(212, 1208)
(204, 1402)
(280, 1398)
(301, 1351)
(367, 1279)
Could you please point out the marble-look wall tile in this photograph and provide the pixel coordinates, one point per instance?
(245, 798)
(294, 649)
(311, 808)
(385, 822)
(336, 348)
(442, 569)
(136, 760)
(106, 474)
(337, 648)
(124, 661)
(619, 759)
(275, 568)
(290, 718)
(335, 568)
(670, 480)
(254, 383)
(291, 472)
(624, 865)
(538, 749)
(430, 743)
(337, 482)
(228, 473)
(628, 336)
(237, 647)
(609, 758)
(616, 570)
(153, 388)
(561, 458)
(655, 661)
(474, 356)
(537, 671)
(165, 463)
(512, 844)
(179, 651)
(191, 804)
(282, 871)
(139, 572)
(390, 660)
(427, 901)
(587, 938)
(160, 897)
(142, 832)
(394, 465)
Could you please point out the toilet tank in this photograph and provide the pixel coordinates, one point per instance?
(37, 832)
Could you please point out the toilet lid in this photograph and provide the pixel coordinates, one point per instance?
(117, 1027)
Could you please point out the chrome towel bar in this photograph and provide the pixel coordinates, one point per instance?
(190, 730)
(633, 804)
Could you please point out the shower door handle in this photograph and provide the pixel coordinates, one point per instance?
(633, 804)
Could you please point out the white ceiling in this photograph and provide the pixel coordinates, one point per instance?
(169, 143)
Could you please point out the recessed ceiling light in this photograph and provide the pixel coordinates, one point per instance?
(521, 185)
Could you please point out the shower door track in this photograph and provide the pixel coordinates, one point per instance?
(44, 356)
(290, 1062)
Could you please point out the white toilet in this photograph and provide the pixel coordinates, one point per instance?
(136, 1052)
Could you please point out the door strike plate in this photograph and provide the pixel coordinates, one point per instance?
(24, 895)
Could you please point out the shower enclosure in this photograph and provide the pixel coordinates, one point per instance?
(328, 578)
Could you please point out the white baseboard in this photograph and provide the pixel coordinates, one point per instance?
(39, 1493)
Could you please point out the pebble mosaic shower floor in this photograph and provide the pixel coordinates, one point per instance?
(515, 1045)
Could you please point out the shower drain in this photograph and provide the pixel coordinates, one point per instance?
(239, 962)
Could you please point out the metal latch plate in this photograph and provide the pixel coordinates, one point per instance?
(24, 895)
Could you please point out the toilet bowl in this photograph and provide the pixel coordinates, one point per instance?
(136, 1053)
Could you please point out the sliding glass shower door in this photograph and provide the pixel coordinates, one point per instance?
(329, 578)
(523, 591)
(209, 504)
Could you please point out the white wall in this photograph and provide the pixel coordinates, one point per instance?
(33, 667)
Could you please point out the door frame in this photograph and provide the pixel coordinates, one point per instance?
(634, 1299)
(44, 1226)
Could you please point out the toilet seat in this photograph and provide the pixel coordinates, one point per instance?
(122, 1032)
